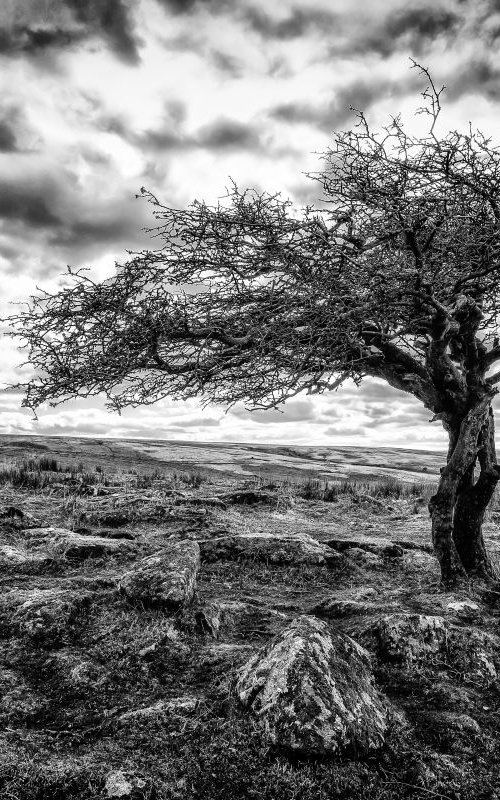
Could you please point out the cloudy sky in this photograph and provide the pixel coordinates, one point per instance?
(101, 97)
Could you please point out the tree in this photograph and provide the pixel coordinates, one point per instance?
(396, 276)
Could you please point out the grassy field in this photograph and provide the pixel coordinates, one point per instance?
(149, 695)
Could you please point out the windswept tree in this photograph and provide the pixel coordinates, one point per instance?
(395, 276)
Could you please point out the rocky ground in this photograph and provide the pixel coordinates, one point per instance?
(182, 637)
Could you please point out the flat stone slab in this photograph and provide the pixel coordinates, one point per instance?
(313, 689)
(284, 549)
(165, 579)
(60, 542)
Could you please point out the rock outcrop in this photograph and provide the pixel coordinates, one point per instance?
(220, 616)
(313, 689)
(283, 549)
(166, 579)
(418, 639)
(63, 543)
(382, 547)
(42, 615)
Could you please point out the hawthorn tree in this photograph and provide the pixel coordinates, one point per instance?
(395, 276)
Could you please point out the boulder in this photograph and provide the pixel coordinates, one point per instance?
(166, 579)
(42, 615)
(334, 607)
(313, 689)
(411, 638)
(283, 549)
(467, 610)
(19, 557)
(117, 784)
(418, 639)
(222, 616)
(364, 558)
(384, 547)
(60, 542)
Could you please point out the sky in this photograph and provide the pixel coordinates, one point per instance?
(101, 97)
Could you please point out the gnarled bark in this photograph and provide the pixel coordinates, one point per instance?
(472, 501)
(456, 523)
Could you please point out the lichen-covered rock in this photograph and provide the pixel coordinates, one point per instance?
(283, 549)
(313, 689)
(217, 616)
(42, 615)
(364, 558)
(464, 609)
(418, 639)
(62, 543)
(381, 547)
(334, 607)
(411, 638)
(21, 558)
(166, 579)
(117, 785)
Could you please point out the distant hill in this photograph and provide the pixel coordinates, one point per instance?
(235, 459)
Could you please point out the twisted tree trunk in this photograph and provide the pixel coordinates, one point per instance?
(457, 509)
(472, 501)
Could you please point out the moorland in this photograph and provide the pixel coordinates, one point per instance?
(174, 617)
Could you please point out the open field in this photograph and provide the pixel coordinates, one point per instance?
(232, 460)
(110, 690)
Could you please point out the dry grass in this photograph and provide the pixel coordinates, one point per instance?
(61, 737)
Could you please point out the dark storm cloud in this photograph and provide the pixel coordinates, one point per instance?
(360, 94)
(411, 29)
(221, 135)
(8, 143)
(227, 134)
(30, 204)
(475, 77)
(298, 23)
(110, 19)
(61, 25)
(180, 7)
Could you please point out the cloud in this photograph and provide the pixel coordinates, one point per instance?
(32, 204)
(413, 30)
(329, 116)
(8, 141)
(111, 20)
(181, 7)
(477, 76)
(298, 23)
(222, 134)
(293, 411)
(37, 26)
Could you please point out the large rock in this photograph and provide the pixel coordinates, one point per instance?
(221, 616)
(313, 689)
(418, 639)
(166, 579)
(283, 549)
(63, 543)
(42, 615)
(20, 558)
(381, 547)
